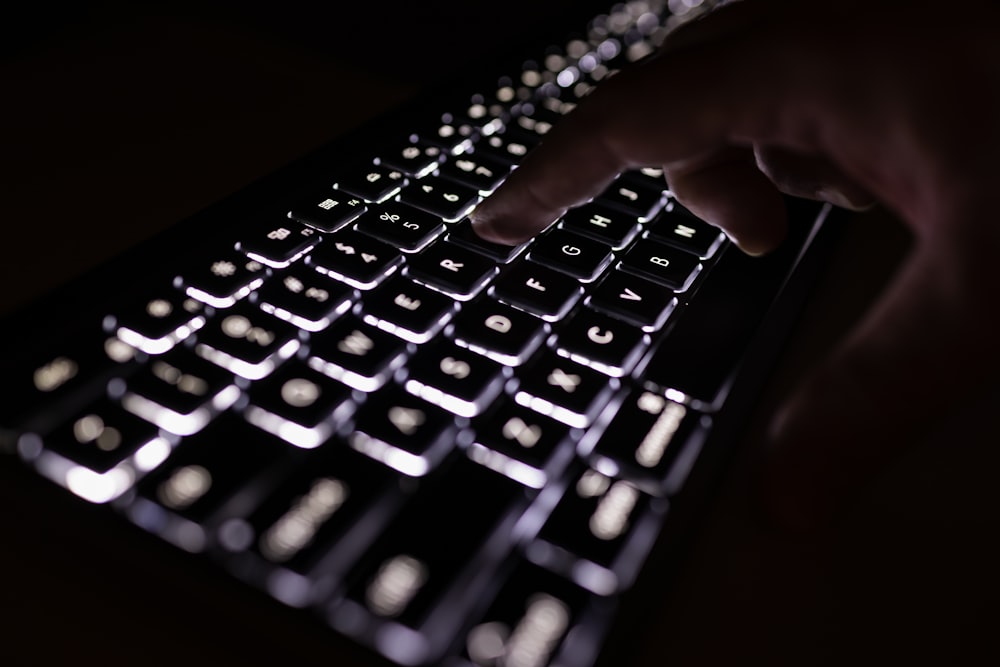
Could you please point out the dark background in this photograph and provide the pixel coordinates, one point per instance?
(119, 121)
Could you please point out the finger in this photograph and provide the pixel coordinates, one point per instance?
(812, 177)
(924, 347)
(729, 191)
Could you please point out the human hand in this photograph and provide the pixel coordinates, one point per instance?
(892, 101)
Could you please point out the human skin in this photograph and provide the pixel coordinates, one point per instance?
(853, 103)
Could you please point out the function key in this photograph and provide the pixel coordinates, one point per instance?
(224, 279)
(500, 332)
(570, 253)
(538, 290)
(601, 342)
(440, 197)
(603, 223)
(644, 440)
(328, 211)
(668, 266)
(157, 323)
(305, 297)
(357, 259)
(374, 183)
(356, 354)
(564, 390)
(401, 226)
(452, 269)
(678, 227)
(408, 310)
(476, 171)
(454, 378)
(416, 159)
(633, 299)
(247, 341)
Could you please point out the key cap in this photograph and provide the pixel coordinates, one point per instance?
(299, 405)
(463, 235)
(402, 431)
(633, 198)
(678, 227)
(280, 244)
(639, 301)
(373, 183)
(415, 159)
(529, 620)
(538, 290)
(478, 171)
(247, 341)
(305, 297)
(644, 439)
(500, 332)
(311, 519)
(661, 263)
(328, 210)
(453, 378)
(223, 280)
(202, 475)
(650, 178)
(444, 199)
(521, 444)
(601, 342)
(406, 309)
(563, 389)
(603, 223)
(356, 259)
(180, 392)
(452, 269)
(157, 323)
(422, 555)
(570, 253)
(358, 355)
(605, 521)
(401, 226)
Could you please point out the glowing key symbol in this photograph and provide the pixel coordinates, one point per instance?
(279, 234)
(526, 436)
(631, 195)
(685, 231)
(455, 368)
(356, 343)
(600, 337)
(223, 269)
(568, 382)
(344, 248)
(389, 217)
(55, 374)
(407, 420)
(498, 323)
(300, 393)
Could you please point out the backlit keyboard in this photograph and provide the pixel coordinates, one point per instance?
(447, 450)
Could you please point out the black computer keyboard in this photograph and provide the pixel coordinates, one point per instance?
(448, 450)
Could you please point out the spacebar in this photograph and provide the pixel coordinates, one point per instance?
(709, 338)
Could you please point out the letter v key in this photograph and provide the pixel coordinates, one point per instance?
(629, 295)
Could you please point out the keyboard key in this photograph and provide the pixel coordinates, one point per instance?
(437, 196)
(601, 342)
(305, 297)
(454, 134)
(356, 259)
(604, 521)
(570, 253)
(678, 227)
(661, 263)
(356, 354)
(373, 183)
(328, 210)
(633, 198)
(478, 171)
(310, 522)
(280, 244)
(463, 235)
(415, 159)
(198, 479)
(633, 299)
(521, 444)
(402, 431)
(299, 405)
(508, 149)
(500, 332)
(603, 223)
(563, 389)
(531, 616)
(223, 280)
(247, 341)
(180, 392)
(157, 323)
(454, 378)
(452, 269)
(644, 439)
(538, 290)
(423, 552)
(408, 310)
(401, 226)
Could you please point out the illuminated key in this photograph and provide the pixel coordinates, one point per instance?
(247, 341)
